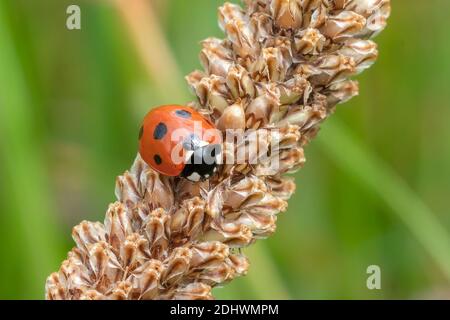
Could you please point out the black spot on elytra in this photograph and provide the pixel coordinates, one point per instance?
(183, 114)
(160, 131)
(157, 159)
(141, 132)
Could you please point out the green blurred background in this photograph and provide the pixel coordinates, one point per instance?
(375, 190)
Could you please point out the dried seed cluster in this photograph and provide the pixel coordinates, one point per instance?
(282, 69)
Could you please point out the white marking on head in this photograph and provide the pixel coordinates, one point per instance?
(206, 176)
(218, 158)
(188, 156)
(194, 177)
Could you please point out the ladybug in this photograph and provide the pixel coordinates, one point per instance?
(179, 141)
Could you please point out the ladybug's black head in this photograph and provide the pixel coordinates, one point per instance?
(202, 164)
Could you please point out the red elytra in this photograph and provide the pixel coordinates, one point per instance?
(163, 132)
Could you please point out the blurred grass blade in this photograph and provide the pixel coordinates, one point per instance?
(264, 278)
(356, 160)
(154, 51)
(26, 186)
